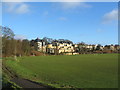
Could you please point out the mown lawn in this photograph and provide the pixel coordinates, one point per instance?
(80, 71)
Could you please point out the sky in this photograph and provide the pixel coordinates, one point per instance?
(90, 22)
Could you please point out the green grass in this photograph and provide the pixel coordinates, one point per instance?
(6, 83)
(79, 71)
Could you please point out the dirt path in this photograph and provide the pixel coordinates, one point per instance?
(24, 83)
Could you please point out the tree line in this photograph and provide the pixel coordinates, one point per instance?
(15, 47)
(12, 46)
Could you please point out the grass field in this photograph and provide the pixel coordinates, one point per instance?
(80, 71)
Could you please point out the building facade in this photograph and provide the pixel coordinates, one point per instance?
(68, 48)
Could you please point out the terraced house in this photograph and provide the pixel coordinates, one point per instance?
(67, 47)
(60, 47)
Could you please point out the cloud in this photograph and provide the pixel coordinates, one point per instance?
(23, 8)
(17, 7)
(20, 37)
(42, 0)
(17, 0)
(62, 18)
(60, 0)
(110, 16)
(73, 5)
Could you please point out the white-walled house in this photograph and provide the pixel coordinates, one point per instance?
(68, 48)
(58, 48)
(41, 45)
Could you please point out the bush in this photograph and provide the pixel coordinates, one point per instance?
(37, 53)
